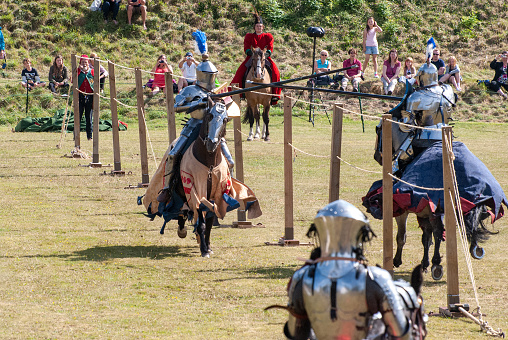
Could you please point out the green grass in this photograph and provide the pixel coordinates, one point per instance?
(79, 260)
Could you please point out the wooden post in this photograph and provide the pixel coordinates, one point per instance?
(114, 118)
(387, 194)
(145, 179)
(288, 171)
(237, 126)
(170, 106)
(96, 104)
(75, 101)
(336, 150)
(452, 264)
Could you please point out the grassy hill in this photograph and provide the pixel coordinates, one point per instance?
(472, 30)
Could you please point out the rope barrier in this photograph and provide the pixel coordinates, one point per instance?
(129, 106)
(355, 167)
(306, 153)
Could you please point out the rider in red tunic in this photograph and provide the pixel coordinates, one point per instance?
(261, 40)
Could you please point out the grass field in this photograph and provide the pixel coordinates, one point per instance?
(79, 260)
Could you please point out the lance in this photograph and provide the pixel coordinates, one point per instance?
(277, 84)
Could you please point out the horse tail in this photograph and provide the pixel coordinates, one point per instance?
(417, 279)
(474, 221)
(248, 114)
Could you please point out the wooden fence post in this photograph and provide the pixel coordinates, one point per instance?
(336, 150)
(170, 107)
(237, 126)
(75, 101)
(114, 117)
(288, 174)
(145, 179)
(387, 194)
(452, 264)
(96, 104)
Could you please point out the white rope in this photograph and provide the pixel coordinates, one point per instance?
(353, 166)
(119, 102)
(414, 126)
(414, 185)
(306, 153)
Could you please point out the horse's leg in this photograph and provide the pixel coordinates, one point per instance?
(256, 116)
(438, 232)
(250, 115)
(201, 228)
(266, 120)
(209, 224)
(426, 227)
(401, 238)
(182, 232)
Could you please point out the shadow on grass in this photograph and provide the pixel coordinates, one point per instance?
(102, 253)
(275, 272)
(428, 281)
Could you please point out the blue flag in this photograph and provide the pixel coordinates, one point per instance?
(431, 45)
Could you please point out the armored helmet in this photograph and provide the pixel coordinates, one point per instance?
(206, 72)
(427, 75)
(338, 225)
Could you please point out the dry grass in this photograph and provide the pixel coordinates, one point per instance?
(79, 260)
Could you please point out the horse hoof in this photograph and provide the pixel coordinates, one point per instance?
(477, 253)
(267, 138)
(205, 255)
(249, 138)
(437, 272)
(182, 233)
(210, 251)
(256, 136)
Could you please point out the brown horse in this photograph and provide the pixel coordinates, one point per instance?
(258, 74)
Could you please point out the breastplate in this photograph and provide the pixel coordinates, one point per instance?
(351, 305)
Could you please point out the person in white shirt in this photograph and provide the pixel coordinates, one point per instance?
(188, 67)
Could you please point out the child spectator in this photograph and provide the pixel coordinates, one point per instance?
(161, 67)
(103, 74)
(452, 74)
(391, 69)
(58, 75)
(409, 72)
(353, 74)
(501, 75)
(29, 76)
(85, 86)
(370, 46)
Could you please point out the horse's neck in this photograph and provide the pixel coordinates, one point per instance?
(203, 156)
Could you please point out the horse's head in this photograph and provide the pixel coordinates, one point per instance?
(258, 62)
(214, 125)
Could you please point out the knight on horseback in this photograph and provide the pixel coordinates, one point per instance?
(261, 40)
(337, 296)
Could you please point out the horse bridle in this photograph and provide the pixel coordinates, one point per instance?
(259, 66)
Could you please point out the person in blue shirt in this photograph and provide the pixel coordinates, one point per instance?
(322, 65)
(2, 45)
(439, 63)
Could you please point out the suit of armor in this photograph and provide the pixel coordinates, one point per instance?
(336, 295)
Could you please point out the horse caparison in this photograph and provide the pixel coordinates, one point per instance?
(259, 74)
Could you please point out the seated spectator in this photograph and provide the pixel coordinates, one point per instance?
(136, 6)
(103, 74)
(29, 76)
(2, 46)
(439, 63)
(452, 73)
(159, 81)
(111, 6)
(322, 65)
(353, 74)
(409, 72)
(391, 70)
(57, 77)
(501, 76)
(188, 67)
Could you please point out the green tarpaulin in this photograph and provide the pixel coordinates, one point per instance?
(55, 123)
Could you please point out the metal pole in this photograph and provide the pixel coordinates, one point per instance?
(312, 89)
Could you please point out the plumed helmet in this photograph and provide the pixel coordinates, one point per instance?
(338, 225)
(427, 75)
(206, 72)
(258, 19)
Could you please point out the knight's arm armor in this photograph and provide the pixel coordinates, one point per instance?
(298, 324)
(382, 296)
(227, 153)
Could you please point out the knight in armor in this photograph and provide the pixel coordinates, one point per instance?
(335, 295)
(261, 40)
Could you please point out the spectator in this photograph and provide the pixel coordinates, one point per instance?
(501, 75)
(29, 76)
(111, 6)
(159, 82)
(370, 46)
(409, 72)
(452, 73)
(353, 74)
(136, 6)
(85, 86)
(391, 70)
(439, 63)
(2, 46)
(58, 75)
(103, 74)
(188, 67)
(322, 65)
